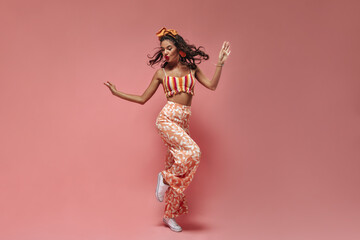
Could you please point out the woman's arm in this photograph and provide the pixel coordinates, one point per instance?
(149, 92)
(200, 76)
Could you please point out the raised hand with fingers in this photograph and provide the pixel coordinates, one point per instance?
(111, 87)
(224, 53)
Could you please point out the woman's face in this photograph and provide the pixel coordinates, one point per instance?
(169, 51)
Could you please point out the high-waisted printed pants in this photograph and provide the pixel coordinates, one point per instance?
(182, 158)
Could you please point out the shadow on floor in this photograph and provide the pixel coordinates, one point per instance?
(188, 226)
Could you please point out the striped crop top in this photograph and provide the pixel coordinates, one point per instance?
(175, 85)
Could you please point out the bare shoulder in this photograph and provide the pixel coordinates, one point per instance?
(159, 75)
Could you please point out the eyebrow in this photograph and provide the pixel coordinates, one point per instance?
(166, 46)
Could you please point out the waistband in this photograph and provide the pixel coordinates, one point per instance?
(179, 105)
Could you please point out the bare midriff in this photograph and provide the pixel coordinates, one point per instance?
(181, 98)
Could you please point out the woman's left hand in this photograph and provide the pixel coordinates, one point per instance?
(111, 87)
(224, 52)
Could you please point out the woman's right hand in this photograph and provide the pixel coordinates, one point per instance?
(111, 87)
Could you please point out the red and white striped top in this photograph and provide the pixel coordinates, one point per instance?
(175, 85)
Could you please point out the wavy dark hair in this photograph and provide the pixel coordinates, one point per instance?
(193, 56)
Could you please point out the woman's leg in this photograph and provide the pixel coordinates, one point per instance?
(182, 160)
(185, 152)
(175, 203)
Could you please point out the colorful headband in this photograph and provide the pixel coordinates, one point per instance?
(162, 32)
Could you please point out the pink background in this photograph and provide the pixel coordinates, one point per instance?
(280, 136)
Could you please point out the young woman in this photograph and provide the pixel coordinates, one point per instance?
(177, 75)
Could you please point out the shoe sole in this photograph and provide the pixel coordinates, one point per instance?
(157, 188)
(173, 229)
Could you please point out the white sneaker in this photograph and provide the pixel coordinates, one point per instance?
(172, 224)
(161, 188)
